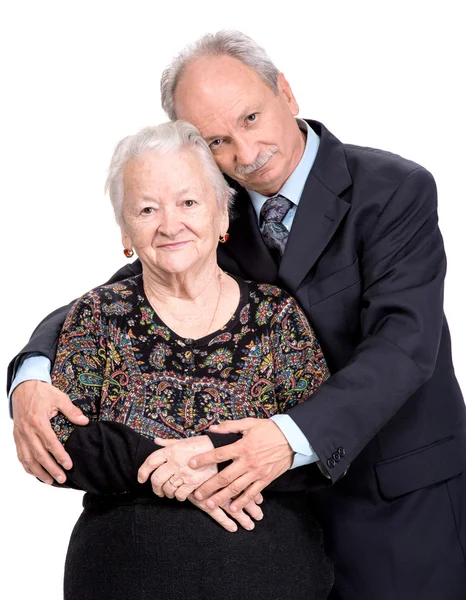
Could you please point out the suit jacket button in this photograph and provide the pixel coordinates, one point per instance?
(341, 451)
(330, 463)
(336, 457)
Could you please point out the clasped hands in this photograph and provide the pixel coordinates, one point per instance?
(186, 469)
(257, 459)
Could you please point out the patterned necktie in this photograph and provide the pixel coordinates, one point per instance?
(274, 233)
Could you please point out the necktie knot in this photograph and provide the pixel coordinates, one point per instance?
(274, 233)
(275, 209)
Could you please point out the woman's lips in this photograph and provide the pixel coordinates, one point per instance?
(174, 245)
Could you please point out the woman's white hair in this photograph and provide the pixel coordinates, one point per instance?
(163, 139)
(226, 42)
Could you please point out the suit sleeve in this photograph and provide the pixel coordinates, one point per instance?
(44, 338)
(403, 269)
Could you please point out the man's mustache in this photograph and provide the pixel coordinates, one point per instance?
(260, 161)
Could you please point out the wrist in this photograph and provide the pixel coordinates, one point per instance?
(23, 386)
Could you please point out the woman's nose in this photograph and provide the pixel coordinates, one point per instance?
(170, 223)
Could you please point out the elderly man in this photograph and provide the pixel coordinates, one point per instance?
(352, 233)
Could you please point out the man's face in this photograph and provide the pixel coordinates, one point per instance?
(251, 130)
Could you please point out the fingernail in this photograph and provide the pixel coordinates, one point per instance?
(213, 427)
(193, 464)
(233, 508)
(233, 529)
(210, 503)
(66, 465)
(60, 479)
(250, 527)
(198, 495)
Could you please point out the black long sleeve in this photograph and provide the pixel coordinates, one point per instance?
(107, 456)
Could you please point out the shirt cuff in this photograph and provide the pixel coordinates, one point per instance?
(304, 454)
(35, 366)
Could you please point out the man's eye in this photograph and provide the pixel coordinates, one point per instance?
(251, 118)
(215, 144)
(189, 203)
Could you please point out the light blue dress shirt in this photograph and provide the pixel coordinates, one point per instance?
(292, 189)
(38, 367)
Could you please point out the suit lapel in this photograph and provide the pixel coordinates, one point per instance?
(319, 214)
(320, 210)
(246, 245)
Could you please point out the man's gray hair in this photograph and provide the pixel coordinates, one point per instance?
(163, 139)
(231, 43)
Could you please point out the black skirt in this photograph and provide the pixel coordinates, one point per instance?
(159, 549)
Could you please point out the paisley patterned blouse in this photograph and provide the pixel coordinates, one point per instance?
(122, 364)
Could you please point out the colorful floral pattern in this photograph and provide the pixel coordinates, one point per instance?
(120, 362)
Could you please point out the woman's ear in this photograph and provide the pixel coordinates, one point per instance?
(224, 220)
(126, 240)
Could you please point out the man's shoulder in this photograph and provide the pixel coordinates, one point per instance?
(379, 164)
(366, 165)
(378, 176)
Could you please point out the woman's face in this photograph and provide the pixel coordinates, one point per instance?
(171, 216)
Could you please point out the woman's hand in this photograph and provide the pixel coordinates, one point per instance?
(169, 471)
(171, 463)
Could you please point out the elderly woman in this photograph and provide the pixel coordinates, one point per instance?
(162, 356)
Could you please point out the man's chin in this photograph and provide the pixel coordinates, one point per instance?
(263, 183)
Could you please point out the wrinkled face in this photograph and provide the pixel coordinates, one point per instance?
(251, 130)
(171, 216)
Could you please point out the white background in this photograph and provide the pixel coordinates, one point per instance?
(78, 76)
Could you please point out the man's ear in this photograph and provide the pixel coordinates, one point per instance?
(284, 89)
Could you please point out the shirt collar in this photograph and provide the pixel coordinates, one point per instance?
(294, 185)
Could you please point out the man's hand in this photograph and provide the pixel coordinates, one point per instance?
(34, 404)
(262, 455)
(171, 475)
(220, 514)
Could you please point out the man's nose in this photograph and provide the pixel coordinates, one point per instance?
(246, 151)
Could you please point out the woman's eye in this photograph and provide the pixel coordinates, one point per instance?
(147, 210)
(189, 203)
(251, 118)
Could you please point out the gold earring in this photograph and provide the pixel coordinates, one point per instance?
(223, 238)
(128, 253)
